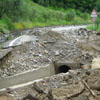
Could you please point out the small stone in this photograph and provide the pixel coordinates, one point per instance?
(46, 52)
(57, 53)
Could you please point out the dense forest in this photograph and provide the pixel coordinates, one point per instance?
(20, 14)
(83, 5)
(15, 9)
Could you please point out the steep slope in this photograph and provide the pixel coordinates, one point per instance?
(27, 14)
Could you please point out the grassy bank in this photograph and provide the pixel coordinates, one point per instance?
(95, 28)
(35, 15)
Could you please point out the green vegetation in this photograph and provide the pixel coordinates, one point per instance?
(70, 16)
(96, 28)
(82, 5)
(97, 24)
(20, 14)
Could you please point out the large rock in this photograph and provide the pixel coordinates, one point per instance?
(67, 91)
(19, 40)
(96, 63)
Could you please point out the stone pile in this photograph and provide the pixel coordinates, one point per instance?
(74, 85)
(51, 46)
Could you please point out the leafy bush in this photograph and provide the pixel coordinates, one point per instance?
(70, 15)
(19, 26)
(3, 29)
(59, 15)
(8, 22)
(10, 7)
(46, 15)
(27, 12)
(78, 13)
(84, 16)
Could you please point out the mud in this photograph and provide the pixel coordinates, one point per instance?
(51, 46)
(74, 46)
(71, 46)
(68, 86)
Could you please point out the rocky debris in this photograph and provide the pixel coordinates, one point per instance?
(6, 97)
(3, 53)
(71, 46)
(3, 37)
(83, 32)
(96, 63)
(86, 66)
(52, 46)
(29, 97)
(67, 91)
(51, 36)
(74, 85)
(32, 55)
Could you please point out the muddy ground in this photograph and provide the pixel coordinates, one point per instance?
(50, 46)
(67, 46)
(74, 85)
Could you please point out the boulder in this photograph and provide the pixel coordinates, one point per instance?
(19, 40)
(67, 91)
(96, 63)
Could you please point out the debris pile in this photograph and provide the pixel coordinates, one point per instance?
(51, 46)
(65, 46)
(74, 85)
(78, 45)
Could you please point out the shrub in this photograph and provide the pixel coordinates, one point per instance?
(46, 16)
(19, 26)
(59, 15)
(8, 22)
(70, 15)
(84, 16)
(3, 29)
(78, 13)
(28, 12)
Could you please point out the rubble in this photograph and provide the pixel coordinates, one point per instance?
(72, 46)
(95, 63)
(74, 85)
(51, 46)
(65, 46)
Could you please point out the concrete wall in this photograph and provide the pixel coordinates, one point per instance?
(28, 76)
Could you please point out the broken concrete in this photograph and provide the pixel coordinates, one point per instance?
(67, 50)
(28, 76)
(68, 86)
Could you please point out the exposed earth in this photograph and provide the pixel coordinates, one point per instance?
(59, 45)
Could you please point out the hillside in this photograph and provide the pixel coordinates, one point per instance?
(27, 14)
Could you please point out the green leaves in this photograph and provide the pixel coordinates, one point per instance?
(70, 15)
(3, 29)
(83, 5)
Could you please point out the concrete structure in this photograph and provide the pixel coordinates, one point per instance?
(65, 67)
(27, 76)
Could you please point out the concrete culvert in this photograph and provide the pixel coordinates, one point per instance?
(63, 69)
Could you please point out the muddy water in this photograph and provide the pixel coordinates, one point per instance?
(66, 28)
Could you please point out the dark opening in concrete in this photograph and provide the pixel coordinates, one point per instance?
(63, 69)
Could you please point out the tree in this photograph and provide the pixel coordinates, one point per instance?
(9, 7)
(83, 5)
